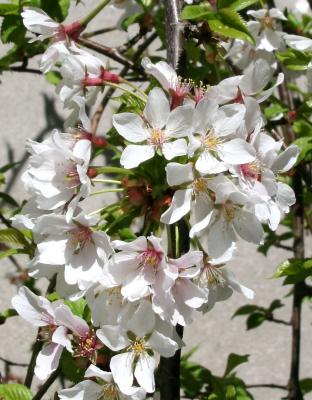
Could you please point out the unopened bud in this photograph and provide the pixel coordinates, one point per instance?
(98, 142)
(292, 115)
(92, 172)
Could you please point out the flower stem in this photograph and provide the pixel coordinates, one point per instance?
(113, 170)
(135, 87)
(113, 181)
(94, 12)
(115, 85)
(106, 191)
(41, 392)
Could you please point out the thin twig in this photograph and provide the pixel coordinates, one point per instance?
(28, 70)
(13, 363)
(97, 32)
(266, 385)
(279, 321)
(31, 367)
(109, 52)
(44, 388)
(284, 247)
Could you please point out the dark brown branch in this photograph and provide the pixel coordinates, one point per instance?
(31, 367)
(97, 32)
(169, 368)
(13, 363)
(28, 70)
(109, 52)
(294, 391)
(279, 321)
(266, 385)
(44, 388)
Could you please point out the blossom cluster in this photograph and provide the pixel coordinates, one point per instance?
(222, 171)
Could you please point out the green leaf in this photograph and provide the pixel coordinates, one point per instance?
(274, 110)
(229, 23)
(13, 30)
(234, 360)
(294, 60)
(132, 19)
(6, 198)
(195, 12)
(12, 236)
(11, 252)
(8, 9)
(9, 166)
(295, 270)
(56, 9)
(71, 368)
(53, 77)
(245, 310)
(10, 312)
(77, 307)
(306, 385)
(255, 319)
(236, 4)
(305, 145)
(15, 391)
(294, 266)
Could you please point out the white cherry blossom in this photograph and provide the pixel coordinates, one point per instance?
(159, 130)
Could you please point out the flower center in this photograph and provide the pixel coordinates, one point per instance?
(109, 392)
(138, 347)
(267, 22)
(157, 138)
(251, 170)
(212, 275)
(71, 176)
(200, 185)
(228, 211)
(87, 346)
(150, 258)
(80, 236)
(210, 142)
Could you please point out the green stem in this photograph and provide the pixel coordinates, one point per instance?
(113, 170)
(135, 87)
(116, 86)
(106, 191)
(113, 181)
(94, 12)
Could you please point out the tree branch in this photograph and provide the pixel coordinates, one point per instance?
(44, 388)
(169, 368)
(266, 385)
(108, 52)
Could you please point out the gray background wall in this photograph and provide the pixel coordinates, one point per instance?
(30, 109)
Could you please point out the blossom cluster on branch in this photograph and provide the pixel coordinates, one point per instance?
(189, 154)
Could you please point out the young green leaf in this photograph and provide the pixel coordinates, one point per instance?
(229, 23)
(236, 4)
(15, 391)
(195, 12)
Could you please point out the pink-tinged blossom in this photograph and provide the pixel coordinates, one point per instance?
(56, 175)
(138, 341)
(212, 139)
(138, 266)
(219, 280)
(100, 385)
(75, 244)
(38, 22)
(169, 80)
(57, 326)
(229, 219)
(176, 303)
(158, 130)
(253, 83)
(194, 195)
(258, 179)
